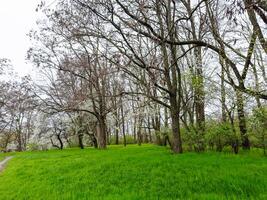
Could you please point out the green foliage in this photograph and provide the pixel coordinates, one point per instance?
(258, 126)
(129, 139)
(220, 135)
(189, 138)
(146, 172)
(194, 140)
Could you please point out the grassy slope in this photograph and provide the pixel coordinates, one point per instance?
(147, 172)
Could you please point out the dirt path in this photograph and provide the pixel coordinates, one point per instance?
(4, 162)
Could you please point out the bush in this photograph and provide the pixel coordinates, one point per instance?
(220, 135)
(258, 126)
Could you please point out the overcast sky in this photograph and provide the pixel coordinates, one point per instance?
(17, 18)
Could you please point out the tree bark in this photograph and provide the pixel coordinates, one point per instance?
(80, 139)
(123, 124)
(242, 120)
(60, 141)
(101, 129)
(223, 92)
(177, 142)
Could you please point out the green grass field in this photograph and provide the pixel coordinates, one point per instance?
(2, 156)
(147, 172)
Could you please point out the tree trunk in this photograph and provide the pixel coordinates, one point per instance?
(149, 130)
(235, 144)
(108, 135)
(80, 139)
(257, 85)
(60, 141)
(19, 141)
(156, 126)
(134, 130)
(177, 142)
(165, 134)
(199, 99)
(242, 120)
(101, 133)
(117, 133)
(223, 93)
(116, 127)
(139, 133)
(139, 137)
(123, 124)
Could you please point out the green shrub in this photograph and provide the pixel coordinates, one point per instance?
(220, 135)
(258, 126)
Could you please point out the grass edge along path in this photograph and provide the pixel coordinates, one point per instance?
(4, 162)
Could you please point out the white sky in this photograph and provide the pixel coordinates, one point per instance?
(17, 18)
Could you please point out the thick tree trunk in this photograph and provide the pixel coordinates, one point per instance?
(80, 139)
(200, 87)
(177, 142)
(101, 133)
(156, 126)
(199, 99)
(242, 120)
(19, 142)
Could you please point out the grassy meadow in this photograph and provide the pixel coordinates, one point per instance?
(2, 156)
(146, 172)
